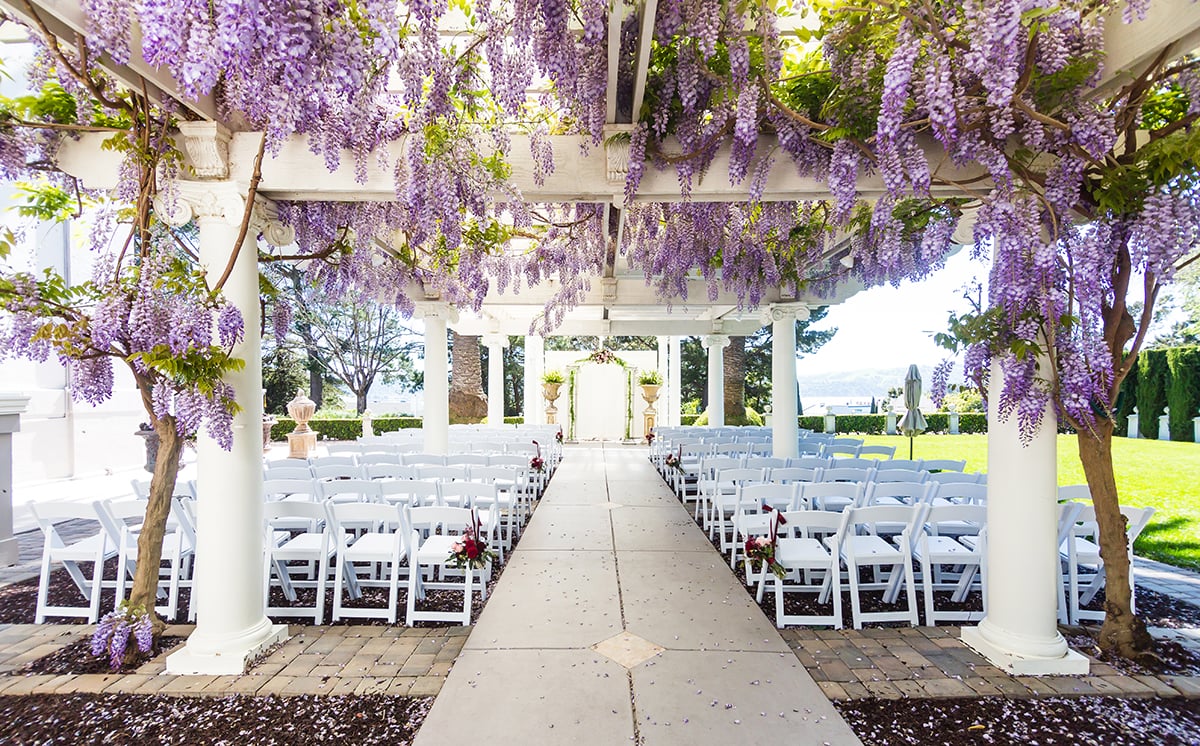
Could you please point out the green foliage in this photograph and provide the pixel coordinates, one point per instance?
(283, 374)
(688, 419)
(964, 399)
(650, 378)
(751, 418)
(345, 428)
(1151, 390)
(514, 420)
(1183, 390)
(51, 104)
(45, 201)
(876, 424)
(1126, 401)
(553, 376)
(814, 422)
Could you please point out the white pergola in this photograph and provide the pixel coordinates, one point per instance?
(1019, 632)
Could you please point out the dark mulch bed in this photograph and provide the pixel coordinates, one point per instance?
(1067, 722)
(1168, 658)
(77, 658)
(134, 719)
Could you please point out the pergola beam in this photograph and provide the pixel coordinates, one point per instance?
(1130, 47)
(642, 63)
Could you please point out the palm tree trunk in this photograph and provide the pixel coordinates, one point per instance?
(735, 381)
(468, 404)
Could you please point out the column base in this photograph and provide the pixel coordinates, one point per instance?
(10, 553)
(1068, 664)
(229, 659)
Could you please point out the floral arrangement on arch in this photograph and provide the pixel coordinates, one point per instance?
(762, 548)
(604, 356)
(472, 552)
(559, 435)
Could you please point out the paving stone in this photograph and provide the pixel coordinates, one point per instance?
(833, 690)
(426, 686)
(1188, 686)
(275, 685)
(126, 684)
(187, 685)
(373, 686)
(939, 688)
(883, 690)
(223, 685)
(1160, 688)
(401, 685)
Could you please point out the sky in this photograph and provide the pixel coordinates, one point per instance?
(888, 327)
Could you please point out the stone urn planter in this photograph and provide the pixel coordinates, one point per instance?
(269, 422)
(301, 441)
(550, 391)
(147, 432)
(650, 416)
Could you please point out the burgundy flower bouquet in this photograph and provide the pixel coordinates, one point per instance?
(675, 460)
(472, 552)
(762, 548)
(537, 463)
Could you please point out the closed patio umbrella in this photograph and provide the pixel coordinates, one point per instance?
(913, 422)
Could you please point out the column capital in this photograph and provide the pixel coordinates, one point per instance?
(494, 339)
(720, 341)
(436, 310)
(207, 148)
(203, 200)
(785, 311)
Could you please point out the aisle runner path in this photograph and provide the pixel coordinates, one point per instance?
(616, 622)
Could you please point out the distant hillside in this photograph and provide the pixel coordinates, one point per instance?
(853, 384)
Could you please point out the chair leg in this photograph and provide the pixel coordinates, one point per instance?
(39, 616)
(835, 572)
(855, 602)
(322, 577)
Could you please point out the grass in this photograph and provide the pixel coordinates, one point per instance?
(1150, 473)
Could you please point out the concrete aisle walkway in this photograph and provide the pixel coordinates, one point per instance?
(617, 622)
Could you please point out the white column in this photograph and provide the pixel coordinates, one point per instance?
(1020, 632)
(785, 426)
(495, 344)
(716, 344)
(11, 407)
(435, 422)
(535, 364)
(231, 628)
(674, 381)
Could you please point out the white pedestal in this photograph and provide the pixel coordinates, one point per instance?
(1001, 655)
(11, 407)
(225, 656)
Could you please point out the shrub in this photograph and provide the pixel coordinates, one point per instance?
(514, 420)
(814, 422)
(343, 429)
(751, 418)
(1151, 390)
(553, 376)
(688, 419)
(865, 424)
(1183, 390)
(1126, 401)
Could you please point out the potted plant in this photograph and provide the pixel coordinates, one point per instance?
(551, 381)
(651, 382)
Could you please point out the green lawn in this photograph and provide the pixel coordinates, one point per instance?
(1158, 474)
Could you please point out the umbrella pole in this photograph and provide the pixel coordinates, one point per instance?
(910, 447)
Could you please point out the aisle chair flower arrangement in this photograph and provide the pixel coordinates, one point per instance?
(675, 460)
(762, 548)
(536, 462)
(472, 552)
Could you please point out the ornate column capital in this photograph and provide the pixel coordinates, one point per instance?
(264, 219)
(207, 148)
(719, 341)
(436, 310)
(202, 200)
(785, 311)
(494, 339)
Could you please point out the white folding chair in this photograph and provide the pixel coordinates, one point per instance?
(122, 522)
(95, 548)
(434, 531)
(854, 463)
(287, 472)
(389, 471)
(952, 477)
(811, 566)
(443, 473)
(723, 501)
(794, 475)
(810, 462)
(377, 458)
(412, 493)
(423, 459)
(1080, 492)
(349, 491)
(706, 480)
(860, 545)
(952, 559)
(751, 501)
(347, 460)
(764, 462)
(943, 464)
(831, 496)
(884, 474)
(379, 549)
(847, 474)
(333, 472)
(1085, 566)
(885, 451)
(297, 532)
(307, 490)
(894, 493)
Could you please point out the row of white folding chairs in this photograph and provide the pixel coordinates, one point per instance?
(369, 544)
(721, 500)
(333, 467)
(490, 488)
(112, 530)
(816, 549)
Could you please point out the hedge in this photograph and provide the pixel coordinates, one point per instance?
(1126, 401)
(1151, 390)
(1183, 390)
(344, 429)
(876, 424)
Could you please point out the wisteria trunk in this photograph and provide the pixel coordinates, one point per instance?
(158, 509)
(1122, 633)
(360, 401)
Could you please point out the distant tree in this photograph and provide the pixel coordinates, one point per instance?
(591, 343)
(514, 374)
(283, 374)
(358, 342)
(757, 372)
(874, 406)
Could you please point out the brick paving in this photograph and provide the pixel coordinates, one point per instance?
(932, 663)
(399, 661)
